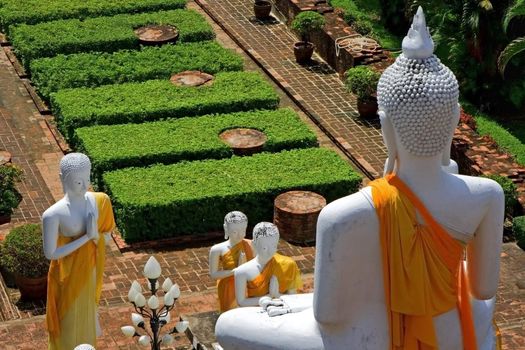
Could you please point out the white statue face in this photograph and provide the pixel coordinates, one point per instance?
(266, 247)
(77, 183)
(235, 231)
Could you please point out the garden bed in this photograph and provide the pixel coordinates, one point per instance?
(37, 11)
(119, 146)
(101, 34)
(191, 197)
(159, 99)
(96, 69)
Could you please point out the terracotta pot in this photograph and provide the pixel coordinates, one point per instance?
(262, 9)
(4, 219)
(32, 288)
(303, 51)
(367, 108)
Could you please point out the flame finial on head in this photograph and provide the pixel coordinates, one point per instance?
(418, 43)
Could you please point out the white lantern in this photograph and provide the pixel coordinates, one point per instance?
(166, 318)
(153, 302)
(140, 300)
(168, 299)
(136, 319)
(136, 285)
(181, 326)
(152, 269)
(132, 294)
(144, 340)
(167, 285)
(129, 331)
(175, 291)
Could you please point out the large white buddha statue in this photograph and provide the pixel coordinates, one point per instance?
(412, 260)
(226, 256)
(74, 241)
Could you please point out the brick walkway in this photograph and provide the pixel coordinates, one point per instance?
(316, 87)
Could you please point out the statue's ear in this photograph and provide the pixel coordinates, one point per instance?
(445, 160)
(389, 137)
(225, 231)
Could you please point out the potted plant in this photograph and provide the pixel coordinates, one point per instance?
(304, 24)
(9, 196)
(23, 255)
(362, 81)
(262, 9)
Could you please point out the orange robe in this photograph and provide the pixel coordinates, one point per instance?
(226, 286)
(286, 271)
(423, 269)
(75, 285)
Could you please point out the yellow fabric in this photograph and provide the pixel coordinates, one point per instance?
(75, 285)
(226, 286)
(422, 269)
(286, 271)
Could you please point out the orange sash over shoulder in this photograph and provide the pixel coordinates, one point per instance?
(226, 286)
(68, 276)
(286, 271)
(423, 270)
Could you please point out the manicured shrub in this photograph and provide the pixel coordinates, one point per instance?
(518, 228)
(101, 34)
(23, 252)
(307, 22)
(159, 99)
(118, 146)
(362, 81)
(511, 193)
(192, 197)
(95, 69)
(10, 175)
(36, 11)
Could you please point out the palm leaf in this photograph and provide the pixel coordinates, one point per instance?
(516, 10)
(515, 47)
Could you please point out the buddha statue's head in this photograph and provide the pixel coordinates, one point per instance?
(265, 239)
(75, 169)
(235, 225)
(418, 99)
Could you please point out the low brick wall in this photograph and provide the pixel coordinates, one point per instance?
(334, 28)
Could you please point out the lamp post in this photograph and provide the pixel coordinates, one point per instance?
(158, 315)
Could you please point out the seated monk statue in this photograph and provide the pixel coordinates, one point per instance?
(73, 234)
(233, 252)
(269, 273)
(412, 260)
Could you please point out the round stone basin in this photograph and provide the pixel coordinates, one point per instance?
(191, 78)
(244, 141)
(155, 34)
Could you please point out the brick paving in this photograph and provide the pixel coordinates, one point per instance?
(33, 146)
(316, 87)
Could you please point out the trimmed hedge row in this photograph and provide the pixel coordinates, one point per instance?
(96, 69)
(36, 11)
(101, 34)
(119, 146)
(192, 197)
(159, 99)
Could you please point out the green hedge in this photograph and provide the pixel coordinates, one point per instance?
(518, 228)
(192, 197)
(160, 99)
(95, 69)
(36, 11)
(101, 34)
(119, 146)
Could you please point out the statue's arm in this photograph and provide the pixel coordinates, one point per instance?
(484, 250)
(50, 225)
(240, 290)
(214, 258)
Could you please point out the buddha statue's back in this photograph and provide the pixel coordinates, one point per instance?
(388, 258)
